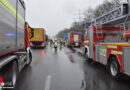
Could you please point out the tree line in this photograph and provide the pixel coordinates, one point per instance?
(90, 14)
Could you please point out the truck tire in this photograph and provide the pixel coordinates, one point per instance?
(29, 58)
(114, 68)
(10, 75)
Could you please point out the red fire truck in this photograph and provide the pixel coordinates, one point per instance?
(27, 34)
(107, 41)
(15, 53)
(74, 39)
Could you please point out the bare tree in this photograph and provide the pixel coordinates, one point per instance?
(90, 14)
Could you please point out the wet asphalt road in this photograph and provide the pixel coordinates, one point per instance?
(66, 69)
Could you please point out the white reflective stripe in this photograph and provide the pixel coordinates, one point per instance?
(6, 88)
(116, 52)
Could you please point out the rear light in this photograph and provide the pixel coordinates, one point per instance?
(42, 44)
(1, 79)
(1, 82)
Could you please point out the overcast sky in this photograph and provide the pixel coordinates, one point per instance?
(55, 15)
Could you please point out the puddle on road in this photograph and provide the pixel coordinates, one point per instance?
(71, 51)
(97, 78)
(39, 58)
(71, 58)
(80, 54)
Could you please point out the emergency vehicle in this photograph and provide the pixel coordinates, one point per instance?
(37, 37)
(15, 52)
(27, 34)
(107, 41)
(74, 39)
(46, 39)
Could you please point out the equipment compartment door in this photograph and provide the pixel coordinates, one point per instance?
(90, 35)
(103, 54)
(126, 60)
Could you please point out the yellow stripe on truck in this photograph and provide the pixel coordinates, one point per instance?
(120, 44)
(22, 59)
(11, 9)
(21, 18)
(110, 46)
(116, 52)
(8, 9)
(86, 41)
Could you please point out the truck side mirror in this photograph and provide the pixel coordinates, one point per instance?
(32, 33)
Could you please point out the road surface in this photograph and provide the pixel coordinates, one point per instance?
(66, 69)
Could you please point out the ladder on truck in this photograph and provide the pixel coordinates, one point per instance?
(116, 16)
(112, 18)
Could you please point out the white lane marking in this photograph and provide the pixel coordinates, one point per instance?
(48, 83)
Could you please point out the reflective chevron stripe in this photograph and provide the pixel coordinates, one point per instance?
(11, 9)
(116, 52)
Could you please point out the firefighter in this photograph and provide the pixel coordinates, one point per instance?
(55, 45)
(61, 43)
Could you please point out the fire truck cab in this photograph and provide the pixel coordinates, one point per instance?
(107, 41)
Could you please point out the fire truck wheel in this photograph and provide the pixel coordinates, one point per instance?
(10, 75)
(114, 68)
(29, 58)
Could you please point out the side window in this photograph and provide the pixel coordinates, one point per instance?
(32, 33)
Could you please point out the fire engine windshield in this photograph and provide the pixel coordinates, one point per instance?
(76, 37)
